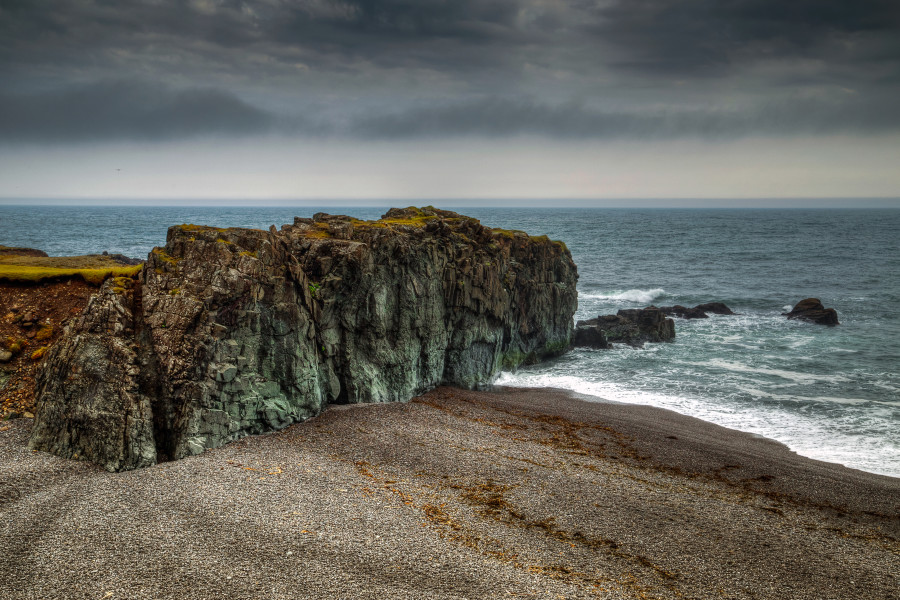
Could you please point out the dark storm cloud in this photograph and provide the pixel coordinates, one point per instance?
(121, 110)
(638, 68)
(711, 37)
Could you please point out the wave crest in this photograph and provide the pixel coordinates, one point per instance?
(642, 296)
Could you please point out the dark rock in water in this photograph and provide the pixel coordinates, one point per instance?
(633, 326)
(231, 332)
(682, 312)
(716, 308)
(698, 312)
(589, 336)
(812, 310)
(11, 251)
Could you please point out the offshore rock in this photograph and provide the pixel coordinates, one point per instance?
(698, 312)
(716, 308)
(588, 336)
(813, 311)
(682, 312)
(633, 326)
(232, 332)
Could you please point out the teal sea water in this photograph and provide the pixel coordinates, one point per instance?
(828, 393)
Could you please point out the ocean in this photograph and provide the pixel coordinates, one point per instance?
(829, 393)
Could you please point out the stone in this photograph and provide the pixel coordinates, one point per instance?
(5, 356)
(632, 326)
(716, 308)
(812, 310)
(587, 336)
(698, 312)
(234, 332)
(682, 312)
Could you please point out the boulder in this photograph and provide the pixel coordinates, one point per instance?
(698, 312)
(633, 326)
(589, 336)
(682, 312)
(716, 308)
(232, 332)
(812, 310)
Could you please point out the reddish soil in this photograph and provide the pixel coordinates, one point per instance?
(48, 306)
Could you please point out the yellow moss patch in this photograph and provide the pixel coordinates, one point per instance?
(166, 258)
(44, 332)
(250, 254)
(37, 274)
(39, 353)
(221, 241)
(192, 227)
(15, 345)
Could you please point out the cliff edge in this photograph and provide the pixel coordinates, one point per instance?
(233, 332)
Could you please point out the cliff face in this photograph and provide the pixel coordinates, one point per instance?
(230, 332)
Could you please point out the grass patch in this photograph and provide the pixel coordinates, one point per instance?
(192, 227)
(94, 270)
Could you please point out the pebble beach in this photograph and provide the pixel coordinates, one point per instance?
(513, 493)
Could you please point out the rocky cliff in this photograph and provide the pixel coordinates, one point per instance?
(231, 332)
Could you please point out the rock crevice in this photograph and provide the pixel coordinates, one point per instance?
(232, 332)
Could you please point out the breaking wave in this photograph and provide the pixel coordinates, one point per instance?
(642, 296)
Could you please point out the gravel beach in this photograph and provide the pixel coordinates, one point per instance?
(512, 493)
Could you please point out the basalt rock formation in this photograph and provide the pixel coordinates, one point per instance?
(813, 311)
(698, 312)
(633, 326)
(231, 332)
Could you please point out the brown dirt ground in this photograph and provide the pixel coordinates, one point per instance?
(51, 304)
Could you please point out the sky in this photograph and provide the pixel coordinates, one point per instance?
(473, 100)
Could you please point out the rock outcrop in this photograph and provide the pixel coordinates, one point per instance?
(716, 308)
(231, 332)
(698, 312)
(813, 311)
(633, 326)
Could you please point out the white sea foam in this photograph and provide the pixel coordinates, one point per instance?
(805, 378)
(875, 451)
(640, 296)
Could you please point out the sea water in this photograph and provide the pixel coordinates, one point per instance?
(830, 393)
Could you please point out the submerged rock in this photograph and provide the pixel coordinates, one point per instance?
(812, 310)
(633, 326)
(231, 332)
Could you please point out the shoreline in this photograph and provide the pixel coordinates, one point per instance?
(591, 398)
(516, 492)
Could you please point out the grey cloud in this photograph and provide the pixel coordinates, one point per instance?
(117, 110)
(435, 61)
(498, 117)
(712, 37)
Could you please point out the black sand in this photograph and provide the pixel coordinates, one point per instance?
(516, 493)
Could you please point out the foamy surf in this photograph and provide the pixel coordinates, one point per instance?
(640, 296)
(803, 434)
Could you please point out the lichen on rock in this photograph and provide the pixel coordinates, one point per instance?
(232, 332)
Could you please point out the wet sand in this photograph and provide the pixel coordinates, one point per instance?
(458, 494)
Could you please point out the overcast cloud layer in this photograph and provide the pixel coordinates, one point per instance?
(82, 71)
